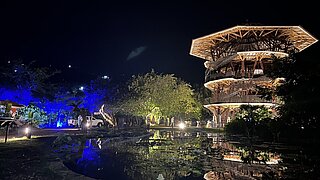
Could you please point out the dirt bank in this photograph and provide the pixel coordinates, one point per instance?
(33, 159)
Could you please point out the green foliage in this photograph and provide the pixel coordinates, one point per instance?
(236, 126)
(160, 96)
(33, 115)
(201, 93)
(29, 76)
(250, 155)
(248, 119)
(253, 113)
(300, 93)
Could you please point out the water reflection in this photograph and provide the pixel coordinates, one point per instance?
(172, 155)
(90, 158)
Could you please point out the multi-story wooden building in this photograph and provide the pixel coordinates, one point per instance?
(236, 60)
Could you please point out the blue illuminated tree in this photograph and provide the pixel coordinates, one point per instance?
(20, 96)
(58, 110)
(98, 92)
(28, 78)
(29, 85)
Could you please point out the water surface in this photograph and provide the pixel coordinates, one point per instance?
(181, 155)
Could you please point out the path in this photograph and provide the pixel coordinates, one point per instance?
(34, 159)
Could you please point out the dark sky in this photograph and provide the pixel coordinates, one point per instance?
(96, 37)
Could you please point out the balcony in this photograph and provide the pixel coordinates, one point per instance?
(237, 99)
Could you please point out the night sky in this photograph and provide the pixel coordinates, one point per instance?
(122, 38)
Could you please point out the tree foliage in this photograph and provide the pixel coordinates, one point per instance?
(160, 96)
(248, 120)
(300, 92)
(33, 115)
(29, 76)
(96, 93)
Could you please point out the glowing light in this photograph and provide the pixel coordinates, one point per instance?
(15, 139)
(69, 66)
(27, 130)
(105, 77)
(81, 88)
(87, 124)
(160, 177)
(182, 125)
(59, 124)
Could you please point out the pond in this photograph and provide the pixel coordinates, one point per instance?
(164, 154)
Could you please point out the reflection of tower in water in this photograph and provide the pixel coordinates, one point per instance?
(226, 161)
(236, 61)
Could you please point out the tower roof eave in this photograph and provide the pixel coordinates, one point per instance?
(300, 38)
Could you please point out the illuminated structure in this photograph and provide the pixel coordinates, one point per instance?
(236, 60)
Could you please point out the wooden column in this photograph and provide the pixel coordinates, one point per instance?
(214, 116)
(242, 67)
(254, 68)
(219, 117)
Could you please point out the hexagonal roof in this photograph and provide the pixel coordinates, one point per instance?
(300, 38)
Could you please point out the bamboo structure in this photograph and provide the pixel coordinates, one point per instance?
(236, 60)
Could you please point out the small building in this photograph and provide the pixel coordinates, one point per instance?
(9, 108)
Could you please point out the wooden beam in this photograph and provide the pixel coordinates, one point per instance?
(242, 69)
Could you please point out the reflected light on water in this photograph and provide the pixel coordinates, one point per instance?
(171, 155)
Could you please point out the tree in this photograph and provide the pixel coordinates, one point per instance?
(58, 110)
(96, 94)
(248, 120)
(20, 96)
(300, 93)
(157, 96)
(28, 84)
(91, 99)
(29, 77)
(33, 115)
(201, 94)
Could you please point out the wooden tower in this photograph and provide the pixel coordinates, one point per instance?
(236, 60)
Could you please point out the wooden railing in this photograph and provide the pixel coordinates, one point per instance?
(217, 76)
(237, 99)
